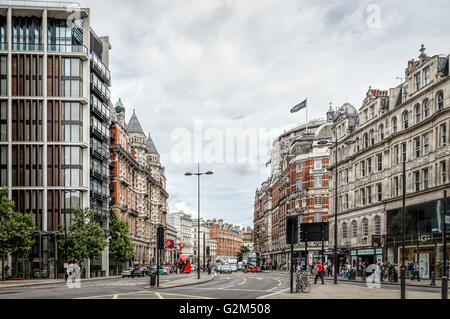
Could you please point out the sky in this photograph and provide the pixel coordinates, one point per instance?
(224, 64)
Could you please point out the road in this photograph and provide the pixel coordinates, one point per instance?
(225, 286)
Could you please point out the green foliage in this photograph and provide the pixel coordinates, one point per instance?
(121, 247)
(15, 228)
(243, 251)
(85, 238)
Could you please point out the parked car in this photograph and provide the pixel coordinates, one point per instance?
(126, 272)
(226, 269)
(234, 268)
(138, 272)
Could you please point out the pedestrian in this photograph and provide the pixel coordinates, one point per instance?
(319, 273)
(396, 273)
(417, 272)
(363, 271)
(411, 270)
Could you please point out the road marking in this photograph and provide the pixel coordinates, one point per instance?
(273, 294)
(189, 296)
(277, 287)
(159, 295)
(245, 280)
(112, 295)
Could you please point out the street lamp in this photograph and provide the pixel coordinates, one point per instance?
(336, 144)
(198, 174)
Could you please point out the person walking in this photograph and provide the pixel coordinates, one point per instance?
(417, 272)
(319, 273)
(411, 270)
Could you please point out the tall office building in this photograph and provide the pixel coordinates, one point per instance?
(53, 115)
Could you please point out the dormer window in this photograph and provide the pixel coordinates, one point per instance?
(417, 81)
(426, 76)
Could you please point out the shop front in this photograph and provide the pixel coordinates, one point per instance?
(368, 256)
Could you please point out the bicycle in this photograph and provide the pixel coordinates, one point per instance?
(302, 283)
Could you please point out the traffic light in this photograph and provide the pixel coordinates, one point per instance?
(291, 230)
(160, 237)
(207, 251)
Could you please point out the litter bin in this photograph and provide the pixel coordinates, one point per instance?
(152, 280)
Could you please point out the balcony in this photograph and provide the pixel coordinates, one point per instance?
(99, 154)
(27, 47)
(97, 133)
(78, 49)
(100, 69)
(99, 88)
(100, 175)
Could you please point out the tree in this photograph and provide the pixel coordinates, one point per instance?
(15, 229)
(244, 250)
(85, 238)
(121, 247)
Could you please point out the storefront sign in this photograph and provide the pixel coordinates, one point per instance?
(424, 238)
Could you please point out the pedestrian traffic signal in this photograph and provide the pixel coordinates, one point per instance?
(207, 251)
(160, 237)
(291, 230)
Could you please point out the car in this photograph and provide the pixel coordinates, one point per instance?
(138, 272)
(165, 270)
(226, 269)
(234, 268)
(126, 272)
(153, 269)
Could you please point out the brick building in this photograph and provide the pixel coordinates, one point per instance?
(228, 238)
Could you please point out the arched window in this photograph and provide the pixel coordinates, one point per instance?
(394, 125)
(365, 227)
(381, 132)
(417, 113)
(426, 108)
(440, 101)
(366, 140)
(357, 144)
(405, 120)
(344, 230)
(354, 229)
(377, 225)
(372, 137)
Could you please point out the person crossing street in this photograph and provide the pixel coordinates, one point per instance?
(319, 273)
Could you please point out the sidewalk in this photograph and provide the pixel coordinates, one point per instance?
(409, 282)
(37, 282)
(191, 280)
(347, 291)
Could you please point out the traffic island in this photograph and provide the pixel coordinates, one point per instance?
(184, 282)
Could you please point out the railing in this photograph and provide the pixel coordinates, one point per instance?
(98, 87)
(27, 47)
(68, 48)
(37, 3)
(100, 68)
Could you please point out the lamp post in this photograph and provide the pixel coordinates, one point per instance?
(198, 174)
(336, 144)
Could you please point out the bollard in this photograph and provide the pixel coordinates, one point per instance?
(433, 278)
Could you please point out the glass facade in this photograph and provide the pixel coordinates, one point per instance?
(63, 37)
(71, 124)
(27, 34)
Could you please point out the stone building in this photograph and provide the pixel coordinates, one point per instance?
(409, 122)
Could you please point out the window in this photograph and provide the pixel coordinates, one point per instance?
(369, 166)
(369, 195)
(27, 33)
(363, 196)
(317, 217)
(379, 162)
(417, 113)
(363, 168)
(405, 120)
(71, 80)
(72, 122)
(318, 181)
(372, 137)
(440, 101)
(396, 186)
(426, 143)
(366, 140)
(299, 184)
(299, 168)
(377, 225)
(3, 166)
(344, 230)
(394, 125)
(443, 135)
(372, 111)
(379, 192)
(443, 172)
(417, 81)
(417, 147)
(72, 166)
(381, 132)
(317, 201)
(366, 115)
(346, 175)
(396, 154)
(357, 144)
(426, 108)
(354, 229)
(346, 201)
(317, 164)
(3, 75)
(425, 181)
(365, 227)
(3, 121)
(426, 76)
(403, 152)
(416, 181)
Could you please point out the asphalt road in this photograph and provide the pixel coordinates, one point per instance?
(225, 286)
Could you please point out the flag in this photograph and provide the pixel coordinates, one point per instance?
(169, 243)
(300, 106)
(181, 246)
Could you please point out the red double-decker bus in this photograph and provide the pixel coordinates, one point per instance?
(252, 262)
(184, 264)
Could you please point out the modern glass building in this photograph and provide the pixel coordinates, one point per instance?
(54, 102)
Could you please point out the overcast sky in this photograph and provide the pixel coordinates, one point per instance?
(244, 64)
